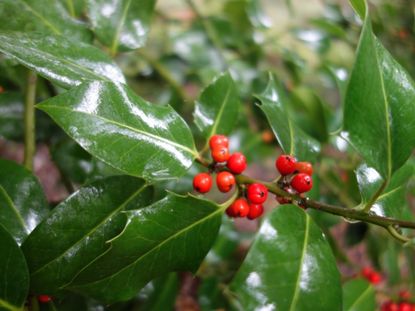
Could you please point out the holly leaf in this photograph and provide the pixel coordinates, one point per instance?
(393, 199)
(76, 231)
(291, 138)
(358, 295)
(59, 60)
(117, 126)
(172, 234)
(379, 105)
(22, 201)
(122, 24)
(216, 110)
(14, 281)
(34, 15)
(289, 266)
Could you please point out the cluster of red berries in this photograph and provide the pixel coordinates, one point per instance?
(402, 304)
(371, 275)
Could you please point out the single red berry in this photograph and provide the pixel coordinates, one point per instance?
(220, 154)
(389, 306)
(304, 167)
(257, 193)
(236, 163)
(239, 208)
(218, 141)
(404, 295)
(375, 278)
(255, 211)
(302, 183)
(285, 164)
(405, 306)
(202, 182)
(44, 298)
(225, 181)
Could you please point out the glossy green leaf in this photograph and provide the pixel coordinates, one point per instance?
(121, 24)
(64, 62)
(172, 234)
(290, 266)
(22, 201)
(291, 138)
(216, 110)
(11, 115)
(115, 125)
(14, 280)
(379, 106)
(358, 295)
(76, 231)
(74, 7)
(34, 15)
(393, 199)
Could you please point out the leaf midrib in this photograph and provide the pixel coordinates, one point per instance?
(297, 283)
(220, 112)
(356, 302)
(14, 208)
(93, 229)
(115, 41)
(161, 139)
(8, 306)
(45, 21)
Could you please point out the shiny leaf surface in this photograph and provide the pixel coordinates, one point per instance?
(22, 202)
(358, 295)
(14, 280)
(217, 109)
(64, 62)
(290, 266)
(172, 234)
(292, 139)
(121, 24)
(34, 15)
(393, 199)
(379, 105)
(76, 231)
(115, 125)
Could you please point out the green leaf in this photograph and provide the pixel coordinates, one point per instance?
(14, 281)
(290, 266)
(358, 295)
(122, 24)
(216, 111)
(164, 291)
(172, 234)
(64, 62)
(36, 15)
(379, 106)
(393, 199)
(11, 115)
(115, 125)
(76, 231)
(22, 201)
(291, 138)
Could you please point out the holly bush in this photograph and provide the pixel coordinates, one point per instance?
(125, 97)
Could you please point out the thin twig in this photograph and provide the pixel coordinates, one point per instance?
(29, 121)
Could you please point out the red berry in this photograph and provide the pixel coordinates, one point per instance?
(257, 193)
(255, 211)
(44, 298)
(225, 181)
(304, 167)
(237, 163)
(218, 141)
(220, 154)
(302, 182)
(367, 272)
(375, 278)
(239, 208)
(405, 306)
(405, 295)
(202, 182)
(285, 164)
(389, 306)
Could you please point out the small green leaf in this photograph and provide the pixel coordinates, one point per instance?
(122, 24)
(379, 106)
(64, 62)
(358, 295)
(22, 201)
(76, 231)
(291, 138)
(216, 111)
(50, 19)
(393, 199)
(172, 234)
(14, 280)
(115, 125)
(290, 266)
